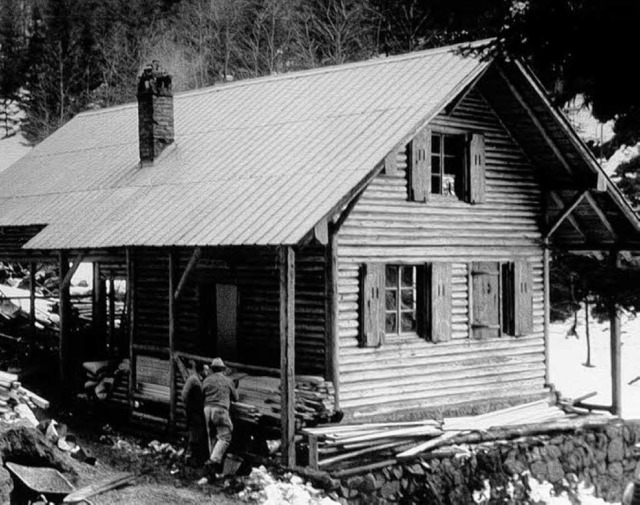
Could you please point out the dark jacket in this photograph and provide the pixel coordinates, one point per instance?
(219, 391)
(192, 394)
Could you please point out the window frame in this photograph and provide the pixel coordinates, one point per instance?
(398, 289)
(464, 138)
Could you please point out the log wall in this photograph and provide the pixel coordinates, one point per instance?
(407, 372)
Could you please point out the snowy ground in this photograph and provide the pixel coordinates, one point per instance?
(572, 378)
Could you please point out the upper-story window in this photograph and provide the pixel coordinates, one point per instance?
(446, 163)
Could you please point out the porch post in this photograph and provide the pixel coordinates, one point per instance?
(331, 311)
(131, 311)
(286, 268)
(64, 344)
(32, 298)
(172, 333)
(546, 266)
(616, 355)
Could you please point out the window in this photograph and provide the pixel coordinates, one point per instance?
(447, 165)
(400, 299)
(405, 299)
(501, 299)
(450, 164)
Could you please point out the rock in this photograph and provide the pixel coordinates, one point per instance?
(534, 455)
(397, 472)
(514, 466)
(555, 473)
(415, 469)
(615, 451)
(369, 484)
(614, 431)
(554, 452)
(390, 489)
(615, 470)
(356, 482)
(539, 470)
(636, 473)
(6, 484)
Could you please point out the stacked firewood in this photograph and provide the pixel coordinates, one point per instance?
(338, 446)
(260, 399)
(16, 401)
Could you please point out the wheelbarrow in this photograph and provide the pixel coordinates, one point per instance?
(51, 484)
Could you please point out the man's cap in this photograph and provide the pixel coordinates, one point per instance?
(218, 364)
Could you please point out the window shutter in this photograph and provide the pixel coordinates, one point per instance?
(440, 302)
(372, 305)
(391, 163)
(477, 179)
(485, 296)
(523, 298)
(420, 166)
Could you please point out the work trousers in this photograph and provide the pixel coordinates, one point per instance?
(219, 429)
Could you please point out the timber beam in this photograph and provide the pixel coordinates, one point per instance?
(570, 218)
(616, 347)
(193, 261)
(565, 213)
(66, 281)
(601, 215)
(287, 274)
(534, 119)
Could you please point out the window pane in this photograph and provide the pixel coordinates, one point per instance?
(453, 165)
(436, 189)
(454, 144)
(391, 299)
(407, 299)
(408, 321)
(407, 276)
(391, 323)
(391, 276)
(435, 143)
(435, 165)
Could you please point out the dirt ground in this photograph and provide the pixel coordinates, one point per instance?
(162, 479)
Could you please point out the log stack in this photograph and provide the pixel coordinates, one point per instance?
(260, 399)
(337, 447)
(17, 402)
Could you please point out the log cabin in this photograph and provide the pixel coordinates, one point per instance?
(386, 225)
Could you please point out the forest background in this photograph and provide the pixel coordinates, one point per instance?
(61, 57)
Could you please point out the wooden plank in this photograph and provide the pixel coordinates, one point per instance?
(566, 212)
(574, 222)
(440, 301)
(66, 280)
(546, 292)
(286, 267)
(477, 171)
(172, 334)
(84, 493)
(332, 343)
(32, 298)
(65, 348)
(193, 261)
(420, 166)
(321, 232)
(313, 452)
(523, 298)
(131, 288)
(616, 348)
(372, 302)
(534, 119)
(601, 215)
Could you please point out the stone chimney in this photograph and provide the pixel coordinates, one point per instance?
(155, 112)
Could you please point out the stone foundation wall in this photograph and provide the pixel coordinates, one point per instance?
(605, 457)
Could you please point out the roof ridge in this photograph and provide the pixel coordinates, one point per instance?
(376, 60)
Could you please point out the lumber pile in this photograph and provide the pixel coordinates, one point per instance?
(16, 401)
(336, 447)
(260, 399)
